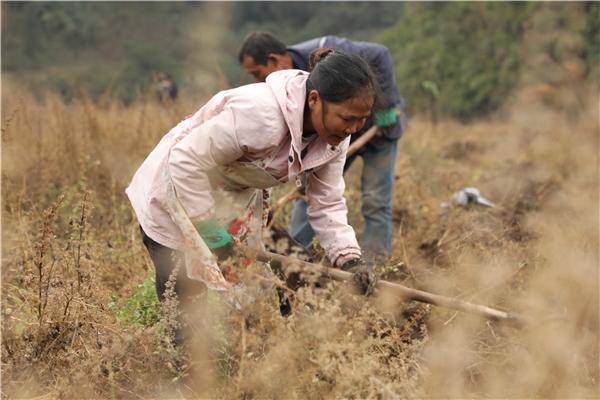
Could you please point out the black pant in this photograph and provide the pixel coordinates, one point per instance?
(165, 260)
(187, 290)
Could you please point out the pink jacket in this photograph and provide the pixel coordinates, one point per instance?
(261, 123)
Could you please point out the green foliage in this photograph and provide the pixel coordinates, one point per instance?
(467, 50)
(456, 58)
(591, 38)
(431, 88)
(142, 308)
(117, 47)
(298, 21)
(92, 46)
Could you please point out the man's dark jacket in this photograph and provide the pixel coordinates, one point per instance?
(380, 60)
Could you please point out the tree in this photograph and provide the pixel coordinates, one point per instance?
(469, 50)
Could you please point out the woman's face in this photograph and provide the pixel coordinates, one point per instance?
(334, 122)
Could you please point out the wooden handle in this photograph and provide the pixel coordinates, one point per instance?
(362, 140)
(404, 292)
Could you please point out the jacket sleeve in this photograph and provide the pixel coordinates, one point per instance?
(211, 143)
(220, 135)
(327, 212)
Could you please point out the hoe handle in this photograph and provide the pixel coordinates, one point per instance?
(354, 146)
(404, 292)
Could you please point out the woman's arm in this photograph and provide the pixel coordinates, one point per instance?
(207, 145)
(327, 211)
(249, 123)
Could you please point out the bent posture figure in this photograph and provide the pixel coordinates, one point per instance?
(204, 185)
(262, 53)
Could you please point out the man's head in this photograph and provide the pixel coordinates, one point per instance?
(262, 53)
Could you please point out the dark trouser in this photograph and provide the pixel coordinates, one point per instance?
(187, 290)
(165, 261)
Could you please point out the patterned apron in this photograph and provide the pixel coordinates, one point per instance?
(241, 194)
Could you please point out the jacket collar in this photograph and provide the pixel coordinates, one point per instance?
(289, 89)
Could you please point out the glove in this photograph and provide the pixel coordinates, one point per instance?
(386, 117)
(364, 278)
(216, 237)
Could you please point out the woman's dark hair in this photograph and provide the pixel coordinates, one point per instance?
(259, 45)
(339, 76)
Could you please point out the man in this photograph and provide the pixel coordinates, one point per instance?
(165, 88)
(262, 53)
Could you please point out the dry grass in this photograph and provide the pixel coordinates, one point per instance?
(71, 247)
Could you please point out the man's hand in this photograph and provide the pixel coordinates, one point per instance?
(386, 117)
(364, 277)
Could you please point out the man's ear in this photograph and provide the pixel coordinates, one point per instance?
(273, 58)
(313, 98)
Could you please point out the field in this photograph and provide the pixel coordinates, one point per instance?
(80, 320)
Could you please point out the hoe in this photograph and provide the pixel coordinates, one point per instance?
(406, 293)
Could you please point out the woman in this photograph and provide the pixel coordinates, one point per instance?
(205, 183)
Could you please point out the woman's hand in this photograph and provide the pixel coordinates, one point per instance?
(217, 238)
(363, 277)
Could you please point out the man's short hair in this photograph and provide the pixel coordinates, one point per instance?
(259, 45)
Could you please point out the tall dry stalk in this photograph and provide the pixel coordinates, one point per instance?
(42, 246)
